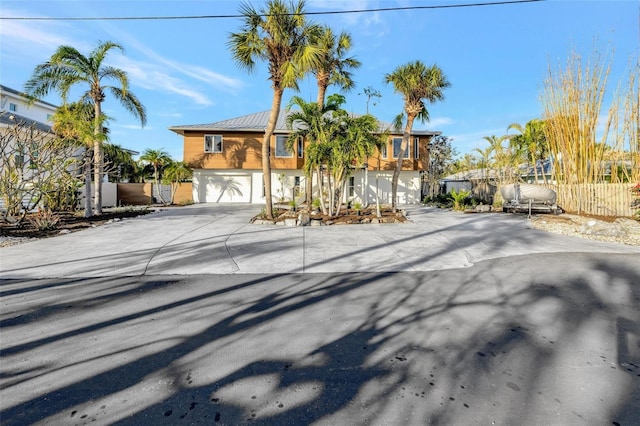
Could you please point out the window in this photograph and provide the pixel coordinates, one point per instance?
(300, 148)
(296, 186)
(416, 147)
(212, 143)
(383, 151)
(13, 107)
(49, 116)
(397, 142)
(351, 189)
(281, 147)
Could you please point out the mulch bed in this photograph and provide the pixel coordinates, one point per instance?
(346, 216)
(69, 221)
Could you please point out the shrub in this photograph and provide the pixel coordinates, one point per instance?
(459, 199)
(44, 220)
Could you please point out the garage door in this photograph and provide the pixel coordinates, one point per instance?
(228, 189)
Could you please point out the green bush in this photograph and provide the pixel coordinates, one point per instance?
(459, 199)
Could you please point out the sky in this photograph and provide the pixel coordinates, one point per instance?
(495, 57)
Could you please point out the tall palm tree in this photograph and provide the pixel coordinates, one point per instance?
(279, 35)
(66, 68)
(333, 67)
(158, 159)
(417, 83)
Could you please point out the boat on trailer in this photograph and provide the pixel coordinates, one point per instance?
(529, 197)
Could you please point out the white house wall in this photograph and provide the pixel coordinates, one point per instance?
(245, 186)
(368, 184)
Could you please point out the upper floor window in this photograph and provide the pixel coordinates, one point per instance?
(397, 142)
(212, 143)
(416, 147)
(281, 147)
(300, 148)
(13, 107)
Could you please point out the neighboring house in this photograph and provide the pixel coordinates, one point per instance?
(227, 160)
(481, 183)
(15, 109)
(14, 103)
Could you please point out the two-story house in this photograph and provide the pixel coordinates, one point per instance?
(14, 107)
(227, 160)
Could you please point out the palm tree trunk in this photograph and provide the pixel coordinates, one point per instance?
(88, 212)
(323, 206)
(396, 173)
(266, 143)
(97, 159)
(322, 88)
(308, 190)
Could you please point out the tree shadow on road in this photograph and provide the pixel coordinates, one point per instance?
(529, 345)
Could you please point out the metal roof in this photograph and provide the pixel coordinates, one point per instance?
(4, 88)
(8, 118)
(257, 122)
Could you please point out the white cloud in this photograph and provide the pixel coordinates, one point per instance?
(159, 62)
(132, 127)
(440, 122)
(150, 77)
(155, 73)
(368, 23)
(42, 39)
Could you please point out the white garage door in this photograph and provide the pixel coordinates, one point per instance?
(228, 189)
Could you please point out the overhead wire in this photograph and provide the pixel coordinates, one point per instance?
(331, 12)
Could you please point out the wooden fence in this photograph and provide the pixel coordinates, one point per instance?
(601, 199)
(140, 194)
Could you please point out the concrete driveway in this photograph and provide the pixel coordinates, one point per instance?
(193, 316)
(218, 239)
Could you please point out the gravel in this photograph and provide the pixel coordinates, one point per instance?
(620, 230)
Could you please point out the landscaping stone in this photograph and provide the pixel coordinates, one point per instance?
(304, 219)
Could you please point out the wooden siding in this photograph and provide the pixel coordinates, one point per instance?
(244, 151)
(184, 193)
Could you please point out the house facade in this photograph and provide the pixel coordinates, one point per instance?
(14, 107)
(226, 157)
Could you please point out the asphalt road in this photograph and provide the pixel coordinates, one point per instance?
(546, 337)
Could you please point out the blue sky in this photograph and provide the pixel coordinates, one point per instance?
(496, 57)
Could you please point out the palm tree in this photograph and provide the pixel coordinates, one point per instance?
(416, 83)
(533, 141)
(119, 162)
(66, 68)
(315, 124)
(333, 67)
(353, 145)
(176, 173)
(157, 158)
(278, 35)
(74, 123)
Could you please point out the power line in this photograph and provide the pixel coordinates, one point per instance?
(334, 12)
